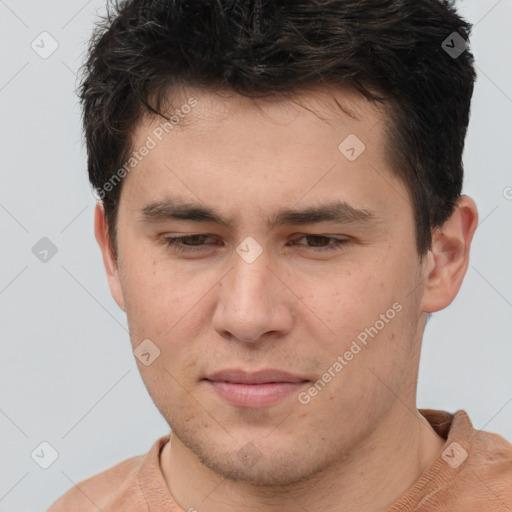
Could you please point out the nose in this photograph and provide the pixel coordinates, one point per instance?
(253, 301)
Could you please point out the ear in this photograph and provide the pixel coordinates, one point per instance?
(109, 261)
(448, 258)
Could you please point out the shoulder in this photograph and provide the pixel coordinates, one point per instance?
(482, 467)
(492, 462)
(106, 490)
(472, 473)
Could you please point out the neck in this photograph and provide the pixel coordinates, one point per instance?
(370, 477)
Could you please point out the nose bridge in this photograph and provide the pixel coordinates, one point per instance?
(250, 277)
(251, 300)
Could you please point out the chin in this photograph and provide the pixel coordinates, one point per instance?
(254, 463)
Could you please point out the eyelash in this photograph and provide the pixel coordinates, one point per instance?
(174, 243)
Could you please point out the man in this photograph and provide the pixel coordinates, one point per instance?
(280, 211)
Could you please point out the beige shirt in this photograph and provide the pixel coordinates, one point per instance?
(473, 473)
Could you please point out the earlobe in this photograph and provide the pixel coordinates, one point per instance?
(448, 257)
(110, 263)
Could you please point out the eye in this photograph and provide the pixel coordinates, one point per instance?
(337, 243)
(195, 243)
(177, 243)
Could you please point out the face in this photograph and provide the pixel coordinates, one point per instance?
(331, 297)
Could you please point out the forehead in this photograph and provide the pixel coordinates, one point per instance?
(222, 145)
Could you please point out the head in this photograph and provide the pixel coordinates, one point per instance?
(314, 149)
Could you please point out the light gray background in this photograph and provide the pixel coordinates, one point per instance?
(67, 373)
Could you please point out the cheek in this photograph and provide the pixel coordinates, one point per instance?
(169, 390)
(369, 318)
(156, 296)
(348, 302)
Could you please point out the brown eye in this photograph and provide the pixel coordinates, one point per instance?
(321, 242)
(181, 243)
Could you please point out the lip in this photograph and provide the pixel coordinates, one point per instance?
(260, 377)
(254, 389)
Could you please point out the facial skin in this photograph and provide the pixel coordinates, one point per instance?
(360, 442)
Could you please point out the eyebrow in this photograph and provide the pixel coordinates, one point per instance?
(177, 209)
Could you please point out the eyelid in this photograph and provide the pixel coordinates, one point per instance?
(337, 244)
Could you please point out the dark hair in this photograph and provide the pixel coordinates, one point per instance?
(394, 52)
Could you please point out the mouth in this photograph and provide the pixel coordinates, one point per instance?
(254, 390)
